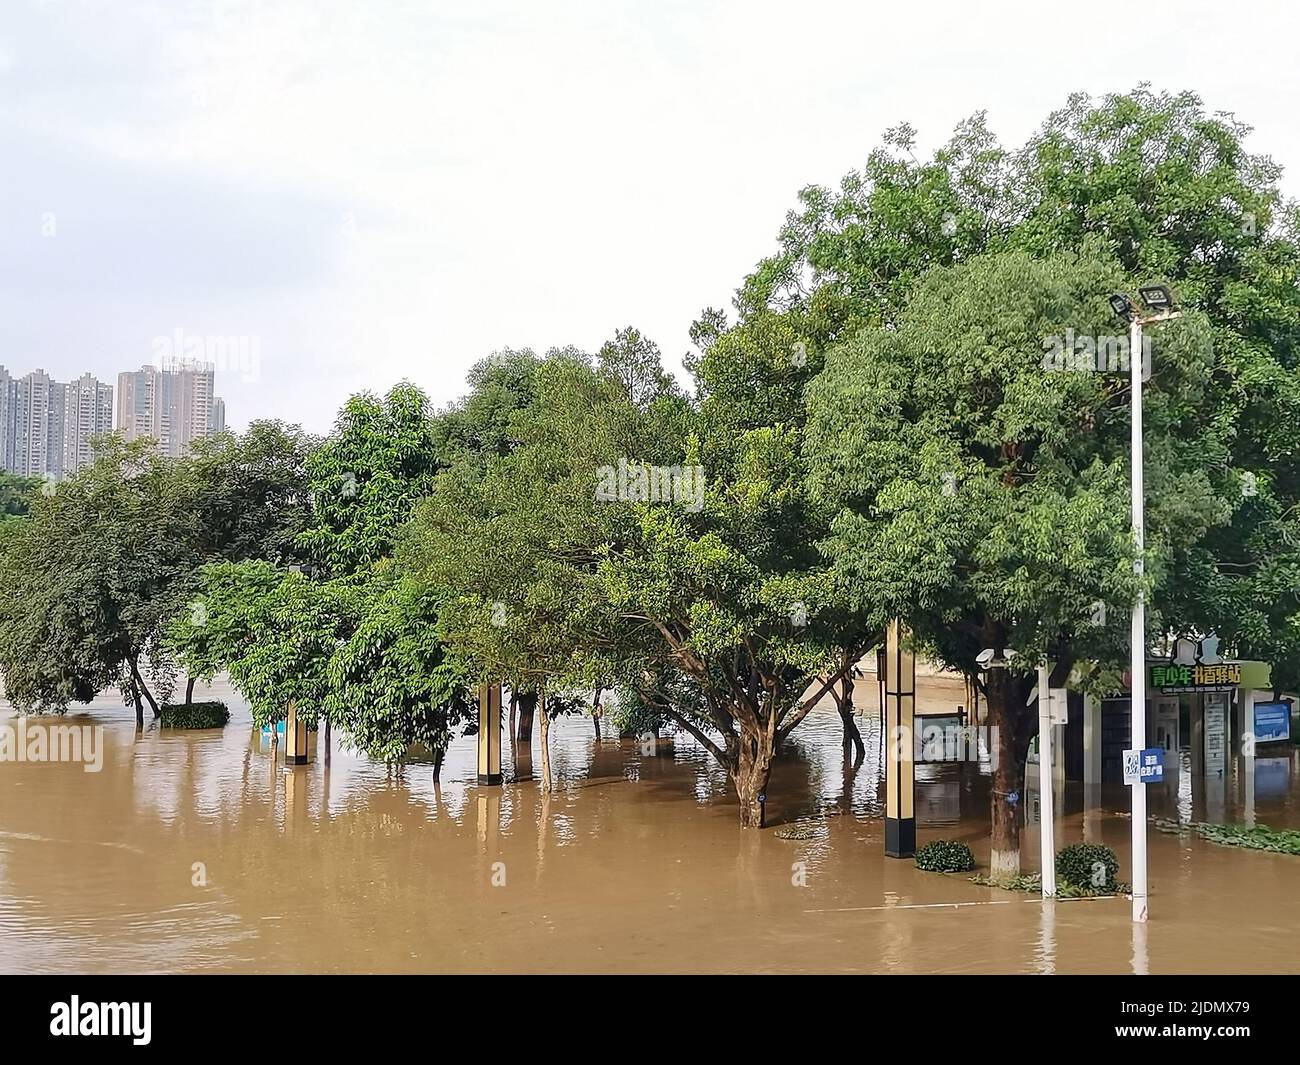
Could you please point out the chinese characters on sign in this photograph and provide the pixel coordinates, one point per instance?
(1145, 766)
(1172, 678)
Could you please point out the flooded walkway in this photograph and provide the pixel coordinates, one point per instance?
(192, 852)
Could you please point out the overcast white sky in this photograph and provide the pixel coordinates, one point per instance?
(383, 189)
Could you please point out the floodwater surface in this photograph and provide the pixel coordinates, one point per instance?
(193, 852)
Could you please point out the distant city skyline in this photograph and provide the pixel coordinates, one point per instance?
(47, 426)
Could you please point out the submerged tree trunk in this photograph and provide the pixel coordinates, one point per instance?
(527, 707)
(853, 745)
(438, 756)
(514, 702)
(1010, 742)
(546, 746)
(327, 741)
(750, 775)
(139, 704)
(140, 688)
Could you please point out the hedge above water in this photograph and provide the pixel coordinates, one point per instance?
(945, 856)
(196, 715)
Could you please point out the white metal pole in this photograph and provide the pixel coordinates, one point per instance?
(1137, 665)
(1046, 817)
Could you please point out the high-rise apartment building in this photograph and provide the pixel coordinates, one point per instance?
(46, 427)
(174, 404)
(87, 413)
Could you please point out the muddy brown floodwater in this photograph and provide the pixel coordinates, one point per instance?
(192, 852)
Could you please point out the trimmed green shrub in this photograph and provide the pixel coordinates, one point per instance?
(945, 856)
(196, 715)
(1089, 867)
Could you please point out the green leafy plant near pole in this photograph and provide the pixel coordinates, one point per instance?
(1089, 867)
(1083, 870)
(945, 856)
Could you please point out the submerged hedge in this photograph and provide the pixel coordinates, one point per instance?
(197, 715)
(945, 856)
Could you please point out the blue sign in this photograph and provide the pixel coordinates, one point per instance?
(1272, 722)
(1153, 765)
(1146, 766)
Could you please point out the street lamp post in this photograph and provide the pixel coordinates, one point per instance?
(1046, 800)
(1137, 635)
(1161, 305)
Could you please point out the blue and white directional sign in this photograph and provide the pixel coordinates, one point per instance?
(1146, 766)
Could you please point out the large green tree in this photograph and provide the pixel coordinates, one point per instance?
(982, 490)
(1172, 192)
(715, 592)
(93, 578)
(393, 684)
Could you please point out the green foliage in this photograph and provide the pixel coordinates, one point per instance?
(218, 624)
(293, 632)
(213, 714)
(1261, 837)
(945, 856)
(634, 714)
(1168, 192)
(93, 576)
(478, 429)
(1027, 882)
(16, 495)
(366, 478)
(1087, 867)
(392, 683)
(252, 499)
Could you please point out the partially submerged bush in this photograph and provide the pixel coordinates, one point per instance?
(1089, 867)
(197, 715)
(945, 856)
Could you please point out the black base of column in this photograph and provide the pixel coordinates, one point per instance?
(489, 778)
(900, 837)
(296, 759)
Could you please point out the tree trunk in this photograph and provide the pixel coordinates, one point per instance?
(438, 756)
(750, 775)
(546, 746)
(139, 704)
(852, 737)
(141, 688)
(189, 692)
(514, 702)
(1007, 800)
(527, 707)
(327, 741)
